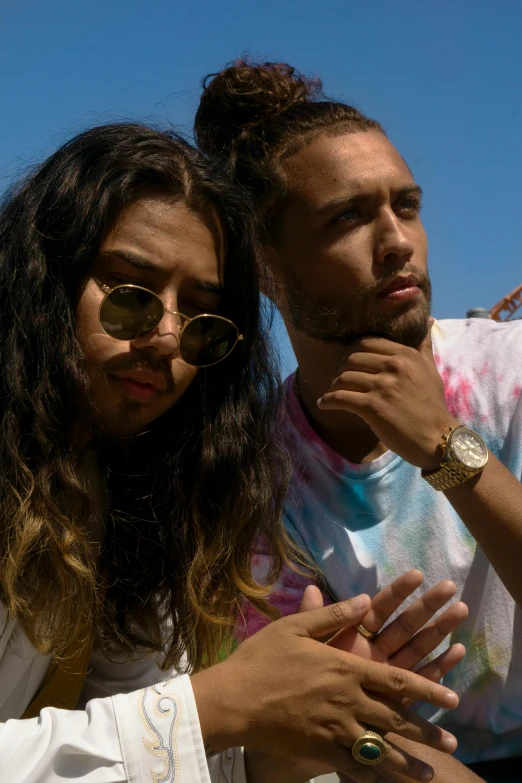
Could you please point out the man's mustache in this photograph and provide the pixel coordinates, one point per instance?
(126, 361)
(376, 287)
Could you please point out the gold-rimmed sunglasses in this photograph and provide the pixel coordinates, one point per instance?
(129, 311)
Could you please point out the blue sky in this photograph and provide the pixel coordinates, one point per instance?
(444, 78)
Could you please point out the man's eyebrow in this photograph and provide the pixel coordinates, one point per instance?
(344, 201)
(410, 190)
(133, 258)
(140, 262)
(207, 285)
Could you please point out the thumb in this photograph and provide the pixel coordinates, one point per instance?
(312, 599)
(320, 622)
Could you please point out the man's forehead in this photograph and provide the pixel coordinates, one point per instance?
(345, 165)
(163, 236)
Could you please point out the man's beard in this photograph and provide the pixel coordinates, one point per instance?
(124, 421)
(336, 319)
(119, 426)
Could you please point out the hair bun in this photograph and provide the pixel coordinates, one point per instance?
(242, 97)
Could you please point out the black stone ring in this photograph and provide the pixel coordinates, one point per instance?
(369, 748)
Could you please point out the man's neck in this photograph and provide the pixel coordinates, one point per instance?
(345, 433)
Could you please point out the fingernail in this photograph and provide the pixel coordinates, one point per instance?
(427, 773)
(319, 401)
(361, 601)
(451, 700)
(449, 744)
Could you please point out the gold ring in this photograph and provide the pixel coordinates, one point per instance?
(370, 635)
(369, 748)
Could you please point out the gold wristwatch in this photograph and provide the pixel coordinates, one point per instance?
(464, 455)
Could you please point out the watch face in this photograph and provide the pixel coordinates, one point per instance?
(469, 448)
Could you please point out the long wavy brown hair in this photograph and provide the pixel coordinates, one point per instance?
(189, 498)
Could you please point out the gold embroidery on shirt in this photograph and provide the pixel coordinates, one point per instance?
(163, 745)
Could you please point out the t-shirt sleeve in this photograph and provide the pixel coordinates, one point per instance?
(479, 362)
(149, 734)
(511, 453)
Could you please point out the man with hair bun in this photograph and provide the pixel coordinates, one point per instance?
(407, 430)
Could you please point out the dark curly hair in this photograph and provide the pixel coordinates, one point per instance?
(189, 498)
(252, 116)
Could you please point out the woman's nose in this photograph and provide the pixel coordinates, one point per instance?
(165, 337)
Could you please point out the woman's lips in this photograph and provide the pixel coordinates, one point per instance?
(142, 392)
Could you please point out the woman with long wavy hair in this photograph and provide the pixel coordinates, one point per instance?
(140, 462)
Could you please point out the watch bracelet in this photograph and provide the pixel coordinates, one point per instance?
(447, 476)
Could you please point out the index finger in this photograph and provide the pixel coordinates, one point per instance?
(371, 344)
(399, 684)
(318, 623)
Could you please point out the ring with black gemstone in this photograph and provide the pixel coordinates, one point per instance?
(369, 748)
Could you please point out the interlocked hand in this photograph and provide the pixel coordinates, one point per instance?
(403, 643)
(411, 636)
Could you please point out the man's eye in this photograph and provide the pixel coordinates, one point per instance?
(348, 215)
(412, 205)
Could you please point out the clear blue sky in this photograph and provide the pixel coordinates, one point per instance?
(444, 78)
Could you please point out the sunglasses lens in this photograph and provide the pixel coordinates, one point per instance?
(207, 339)
(128, 313)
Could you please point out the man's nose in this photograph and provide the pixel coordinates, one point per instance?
(394, 243)
(164, 339)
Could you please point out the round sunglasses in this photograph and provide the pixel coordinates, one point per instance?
(129, 311)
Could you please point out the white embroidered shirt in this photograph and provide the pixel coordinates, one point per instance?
(131, 727)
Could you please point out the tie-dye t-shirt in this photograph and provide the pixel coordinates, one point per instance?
(367, 524)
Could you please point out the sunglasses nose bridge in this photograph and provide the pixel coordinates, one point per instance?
(179, 320)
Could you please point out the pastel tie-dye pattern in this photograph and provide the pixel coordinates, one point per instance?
(364, 525)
